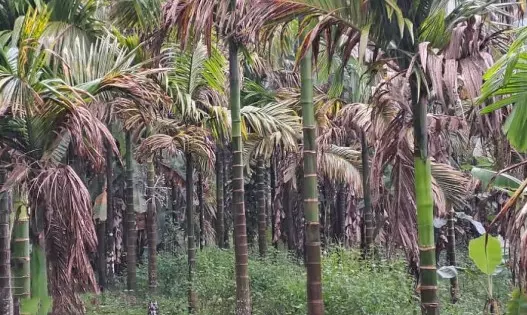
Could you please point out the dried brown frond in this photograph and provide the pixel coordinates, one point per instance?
(89, 136)
(195, 19)
(70, 235)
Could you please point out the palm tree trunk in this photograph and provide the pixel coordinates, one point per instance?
(288, 209)
(151, 225)
(219, 198)
(38, 265)
(131, 228)
(451, 254)
(368, 213)
(273, 195)
(101, 253)
(243, 293)
(191, 246)
(340, 208)
(175, 211)
(227, 197)
(201, 212)
(262, 221)
(21, 267)
(315, 303)
(6, 302)
(425, 209)
(109, 215)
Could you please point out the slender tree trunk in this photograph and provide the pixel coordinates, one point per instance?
(273, 196)
(219, 198)
(340, 208)
(243, 294)
(6, 301)
(151, 224)
(101, 254)
(38, 264)
(191, 244)
(425, 208)
(21, 267)
(315, 303)
(451, 253)
(262, 220)
(175, 210)
(131, 235)
(201, 212)
(288, 209)
(368, 213)
(110, 237)
(227, 210)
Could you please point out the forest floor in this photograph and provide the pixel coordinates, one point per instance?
(351, 286)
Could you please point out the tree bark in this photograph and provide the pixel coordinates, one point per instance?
(290, 223)
(315, 303)
(38, 263)
(273, 196)
(201, 212)
(340, 208)
(368, 212)
(262, 220)
(131, 233)
(220, 226)
(451, 253)
(243, 294)
(191, 244)
(425, 208)
(6, 301)
(21, 246)
(227, 210)
(110, 237)
(151, 225)
(101, 254)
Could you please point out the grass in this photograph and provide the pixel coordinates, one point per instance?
(351, 286)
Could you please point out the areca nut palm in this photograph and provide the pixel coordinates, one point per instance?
(192, 20)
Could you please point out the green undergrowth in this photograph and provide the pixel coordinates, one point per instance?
(351, 286)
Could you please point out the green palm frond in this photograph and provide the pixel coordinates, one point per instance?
(141, 15)
(196, 81)
(503, 86)
(270, 119)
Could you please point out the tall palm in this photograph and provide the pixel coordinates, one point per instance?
(194, 19)
(6, 302)
(38, 113)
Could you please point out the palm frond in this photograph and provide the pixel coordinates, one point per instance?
(341, 164)
(71, 235)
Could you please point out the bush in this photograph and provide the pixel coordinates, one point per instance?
(351, 286)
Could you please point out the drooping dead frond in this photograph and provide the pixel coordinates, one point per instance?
(194, 19)
(341, 164)
(188, 140)
(453, 184)
(90, 137)
(70, 235)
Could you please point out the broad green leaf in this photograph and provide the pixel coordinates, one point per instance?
(504, 181)
(517, 305)
(486, 256)
(516, 125)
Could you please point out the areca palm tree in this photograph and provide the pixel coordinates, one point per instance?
(192, 20)
(45, 112)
